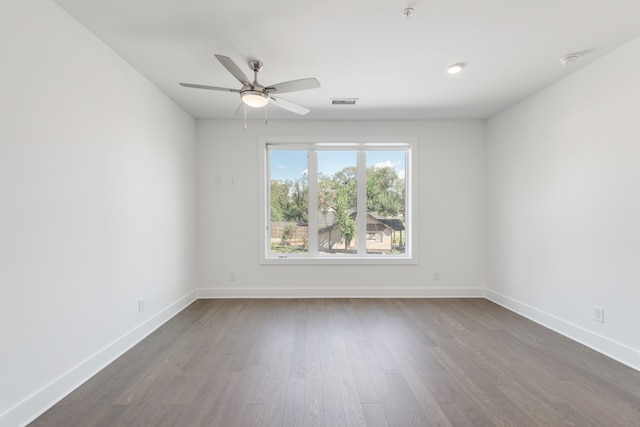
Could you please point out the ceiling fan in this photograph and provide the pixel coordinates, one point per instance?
(255, 95)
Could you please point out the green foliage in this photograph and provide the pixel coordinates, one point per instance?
(289, 201)
(343, 219)
(279, 200)
(338, 194)
(385, 192)
(287, 234)
(345, 180)
(287, 249)
(299, 196)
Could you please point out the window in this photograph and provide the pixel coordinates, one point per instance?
(337, 202)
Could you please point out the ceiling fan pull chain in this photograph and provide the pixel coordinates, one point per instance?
(265, 115)
(245, 116)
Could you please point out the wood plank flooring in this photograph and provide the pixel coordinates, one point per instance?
(354, 362)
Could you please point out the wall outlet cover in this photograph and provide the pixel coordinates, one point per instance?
(598, 314)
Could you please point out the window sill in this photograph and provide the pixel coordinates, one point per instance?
(354, 260)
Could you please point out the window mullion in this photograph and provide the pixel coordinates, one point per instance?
(312, 182)
(267, 208)
(361, 203)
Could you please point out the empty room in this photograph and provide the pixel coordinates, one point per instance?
(319, 213)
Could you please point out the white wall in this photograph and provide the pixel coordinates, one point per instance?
(97, 206)
(450, 179)
(563, 179)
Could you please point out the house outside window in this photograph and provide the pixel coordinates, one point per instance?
(337, 201)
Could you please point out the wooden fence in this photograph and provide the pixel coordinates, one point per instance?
(299, 236)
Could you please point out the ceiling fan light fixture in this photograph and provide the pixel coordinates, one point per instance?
(254, 98)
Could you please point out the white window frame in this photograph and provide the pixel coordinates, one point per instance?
(360, 145)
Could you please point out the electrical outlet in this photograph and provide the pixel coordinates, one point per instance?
(233, 180)
(436, 275)
(140, 305)
(233, 276)
(598, 314)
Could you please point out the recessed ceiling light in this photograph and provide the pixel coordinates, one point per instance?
(568, 59)
(455, 68)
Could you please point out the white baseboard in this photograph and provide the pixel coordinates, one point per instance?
(615, 350)
(341, 293)
(37, 403)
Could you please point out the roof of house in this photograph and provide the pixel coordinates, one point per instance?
(393, 223)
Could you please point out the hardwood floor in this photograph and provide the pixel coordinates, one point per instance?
(345, 362)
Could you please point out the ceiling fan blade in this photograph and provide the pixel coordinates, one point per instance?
(290, 106)
(234, 69)
(224, 89)
(294, 85)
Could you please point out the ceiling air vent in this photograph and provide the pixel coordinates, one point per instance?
(343, 101)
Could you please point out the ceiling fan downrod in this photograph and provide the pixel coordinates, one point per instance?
(256, 66)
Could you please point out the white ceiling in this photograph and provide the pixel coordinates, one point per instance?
(362, 49)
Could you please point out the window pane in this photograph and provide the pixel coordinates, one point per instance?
(337, 202)
(386, 207)
(289, 208)
(337, 196)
